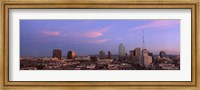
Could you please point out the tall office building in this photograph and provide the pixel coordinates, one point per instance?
(101, 55)
(109, 55)
(131, 53)
(122, 53)
(71, 55)
(57, 53)
(145, 59)
(162, 54)
(136, 54)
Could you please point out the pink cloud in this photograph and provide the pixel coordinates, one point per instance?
(93, 34)
(158, 24)
(90, 34)
(97, 33)
(51, 33)
(99, 41)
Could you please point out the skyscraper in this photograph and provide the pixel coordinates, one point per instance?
(162, 54)
(57, 53)
(70, 55)
(101, 55)
(109, 55)
(135, 53)
(146, 59)
(121, 51)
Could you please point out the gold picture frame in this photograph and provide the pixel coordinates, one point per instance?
(127, 4)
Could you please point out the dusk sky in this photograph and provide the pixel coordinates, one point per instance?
(85, 37)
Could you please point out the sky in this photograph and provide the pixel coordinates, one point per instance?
(86, 37)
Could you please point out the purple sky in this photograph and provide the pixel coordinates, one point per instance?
(40, 37)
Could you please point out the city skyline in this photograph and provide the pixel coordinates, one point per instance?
(86, 37)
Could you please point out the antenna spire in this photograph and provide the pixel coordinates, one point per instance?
(143, 47)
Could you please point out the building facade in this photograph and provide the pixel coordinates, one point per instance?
(122, 53)
(136, 55)
(71, 55)
(57, 53)
(109, 55)
(145, 59)
(101, 55)
(162, 54)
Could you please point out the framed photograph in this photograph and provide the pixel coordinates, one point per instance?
(103, 45)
